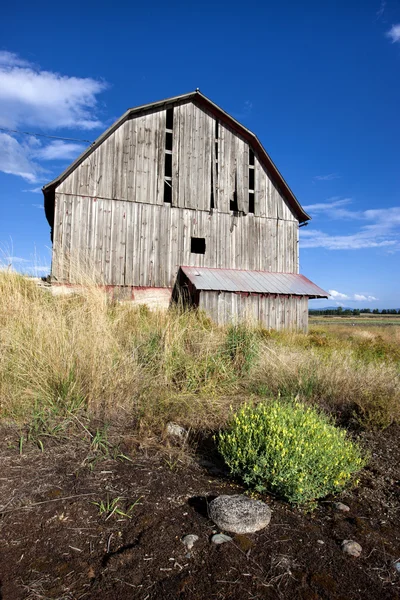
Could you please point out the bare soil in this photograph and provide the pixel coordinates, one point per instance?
(55, 544)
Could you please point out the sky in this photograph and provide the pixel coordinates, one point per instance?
(317, 82)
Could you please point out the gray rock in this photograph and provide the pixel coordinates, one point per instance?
(175, 430)
(397, 566)
(352, 548)
(220, 538)
(239, 514)
(341, 506)
(190, 540)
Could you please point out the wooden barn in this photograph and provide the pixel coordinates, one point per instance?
(178, 195)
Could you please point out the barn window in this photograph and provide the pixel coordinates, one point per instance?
(169, 124)
(167, 192)
(214, 183)
(252, 185)
(170, 118)
(198, 245)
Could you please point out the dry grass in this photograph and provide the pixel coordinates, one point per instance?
(70, 357)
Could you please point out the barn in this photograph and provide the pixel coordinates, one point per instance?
(177, 198)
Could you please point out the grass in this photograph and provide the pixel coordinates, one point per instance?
(67, 361)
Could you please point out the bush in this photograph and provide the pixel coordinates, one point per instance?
(289, 449)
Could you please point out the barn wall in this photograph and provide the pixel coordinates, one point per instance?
(272, 311)
(139, 244)
(130, 165)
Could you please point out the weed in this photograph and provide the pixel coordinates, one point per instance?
(112, 507)
(289, 449)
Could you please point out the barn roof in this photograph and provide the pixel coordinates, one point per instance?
(198, 98)
(257, 282)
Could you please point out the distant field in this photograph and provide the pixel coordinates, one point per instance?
(365, 320)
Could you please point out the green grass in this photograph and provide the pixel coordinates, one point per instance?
(69, 361)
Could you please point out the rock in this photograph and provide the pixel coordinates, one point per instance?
(239, 514)
(341, 506)
(352, 548)
(190, 540)
(320, 542)
(220, 538)
(397, 566)
(175, 430)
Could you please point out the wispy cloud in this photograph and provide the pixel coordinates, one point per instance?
(382, 230)
(394, 33)
(59, 150)
(379, 13)
(32, 96)
(333, 207)
(36, 190)
(39, 206)
(328, 177)
(42, 100)
(352, 297)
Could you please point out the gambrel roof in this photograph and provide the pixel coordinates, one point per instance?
(202, 101)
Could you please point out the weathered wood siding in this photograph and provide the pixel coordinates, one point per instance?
(138, 244)
(129, 165)
(272, 311)
(110, 211)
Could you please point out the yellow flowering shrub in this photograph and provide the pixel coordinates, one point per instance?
(289, 449)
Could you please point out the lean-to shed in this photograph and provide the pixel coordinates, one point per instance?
(174, 185)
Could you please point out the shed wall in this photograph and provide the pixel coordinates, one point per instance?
(272, 311)
(137, 244)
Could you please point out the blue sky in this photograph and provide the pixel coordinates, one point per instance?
(318, 82)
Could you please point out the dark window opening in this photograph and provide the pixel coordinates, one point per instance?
(167, 192)
(251, 179)
(212, 202)
(170, 118)
(251, 202)
(168, 165)
(168, 141)
(216, 151)
(216, 129)
(251, 157)
(233, 205)
(198, 246)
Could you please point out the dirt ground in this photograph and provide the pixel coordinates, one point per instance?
(56, 544)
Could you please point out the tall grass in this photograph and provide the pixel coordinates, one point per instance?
(64, 357)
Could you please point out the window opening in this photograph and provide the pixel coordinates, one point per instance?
(252, 175)
(167, 192)
(169, 124)
(168, 140)
(198, 245)
(170, 118)
(168, 165)
(233, 204)
(214, 166)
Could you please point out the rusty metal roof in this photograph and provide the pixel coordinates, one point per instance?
(258, 282)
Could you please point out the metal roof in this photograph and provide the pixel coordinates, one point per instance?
(202, 100)
(258, 282)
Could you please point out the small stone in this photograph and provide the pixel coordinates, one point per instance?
(320, 542)
(175, 430)
(397, 566)
(352, 548)
(220, 538)
(190, 540)
(341, 506)
(239, 514)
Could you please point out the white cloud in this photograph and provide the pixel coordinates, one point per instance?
(45, 99)
(382, 230)
(394, 33)
(31, 97)
(40, 206)
(15, 159)
(328, 177)
(362, 298)
(352, 298)
(338, 295)
(59, 150)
